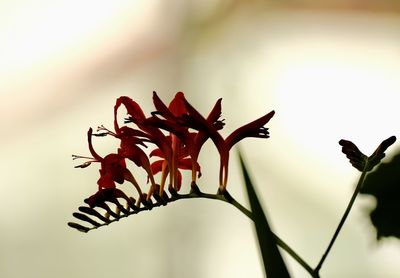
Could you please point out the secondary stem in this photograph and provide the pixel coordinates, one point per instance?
(279, 241)
(339, 227)
(226, 197)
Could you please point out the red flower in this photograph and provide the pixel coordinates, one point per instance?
(177, 151)
(129, 149)
(181, 137)
(253, 129)
(183, 161)
(113, 167)
(153, 134)
(112, 170)
(132, 138)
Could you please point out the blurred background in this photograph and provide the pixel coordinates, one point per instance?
(330, 70)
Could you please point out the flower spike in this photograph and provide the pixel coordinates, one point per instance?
(164, 143)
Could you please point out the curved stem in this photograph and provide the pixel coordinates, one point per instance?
(339, 227)
(226, 197)
(278, 240)
(196, 193)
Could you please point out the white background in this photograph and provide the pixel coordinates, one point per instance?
(328, 74)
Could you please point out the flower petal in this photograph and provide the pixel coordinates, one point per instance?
(253, 129)
(156, 166)
(196, 121)
(91, 149)
(215, 113)
(177, 106)
(132, 107)
(161, 108)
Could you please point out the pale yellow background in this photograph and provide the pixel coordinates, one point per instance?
(329, 71)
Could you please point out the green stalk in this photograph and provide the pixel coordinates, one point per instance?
(344, 217)
(278, 240)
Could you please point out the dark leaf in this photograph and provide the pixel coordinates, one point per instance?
(273, 262)
(384, 185)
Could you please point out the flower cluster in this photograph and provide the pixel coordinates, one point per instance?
(177, 133)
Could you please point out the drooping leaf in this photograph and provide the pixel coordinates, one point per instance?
(273, 262)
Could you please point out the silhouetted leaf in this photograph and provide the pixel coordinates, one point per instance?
(384, 185)
(273, 262)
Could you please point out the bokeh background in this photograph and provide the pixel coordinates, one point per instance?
(330, 70)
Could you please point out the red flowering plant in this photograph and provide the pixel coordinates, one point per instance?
(177, 132)
(168, 141)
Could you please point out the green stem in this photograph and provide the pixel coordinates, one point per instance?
(339, 227)
(278, 240)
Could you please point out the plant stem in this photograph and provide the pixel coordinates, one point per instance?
(195, 194)
(278, 240)
(339, 227)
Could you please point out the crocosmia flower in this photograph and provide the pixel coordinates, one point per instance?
(253, 129)
(162, 143)
(112, 169)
